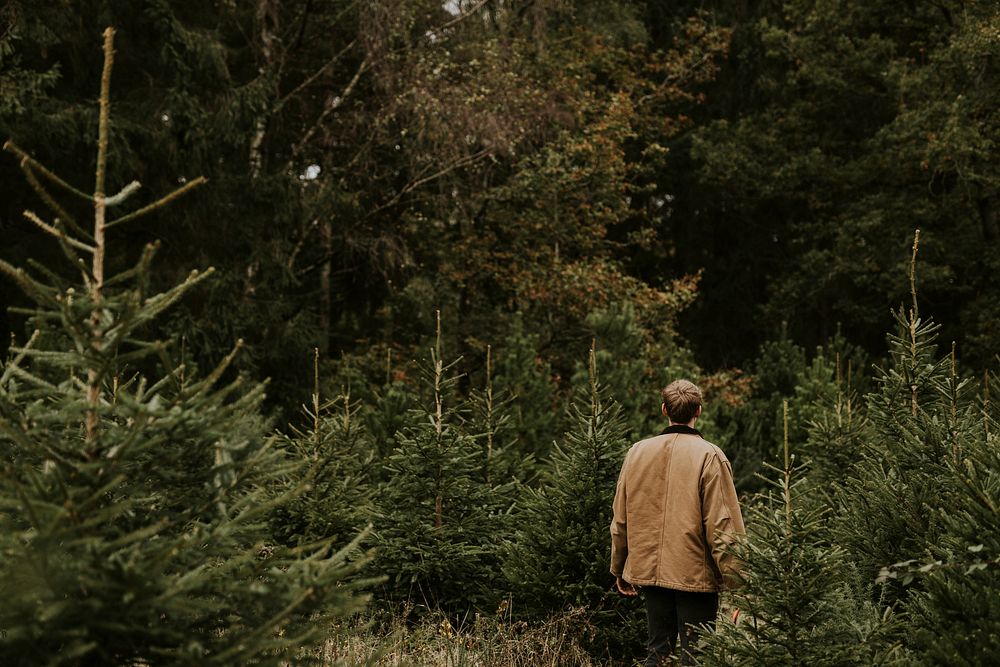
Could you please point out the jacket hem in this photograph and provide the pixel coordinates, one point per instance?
(673, 585)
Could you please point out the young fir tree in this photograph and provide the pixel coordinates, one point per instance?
(500, 459)
(836, 424)
(438, 525)
(522, 374)
(560, 554)
(337, 454)
(622, 354)
(795, 608)
(133, 504)
(389, 411)
(955, 580)
(890, 501)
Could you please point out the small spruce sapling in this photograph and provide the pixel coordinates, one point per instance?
(337, 502)
(435, 532)
(902, 471)
(560, 555)
(794, 607)
(522, 374)
(622, 354)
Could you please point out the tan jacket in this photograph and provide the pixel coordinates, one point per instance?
(675, 507)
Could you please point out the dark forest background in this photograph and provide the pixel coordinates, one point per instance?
(734, 173)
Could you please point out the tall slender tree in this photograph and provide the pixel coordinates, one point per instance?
(134, 495)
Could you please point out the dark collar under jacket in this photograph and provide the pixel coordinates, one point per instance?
(680, 428)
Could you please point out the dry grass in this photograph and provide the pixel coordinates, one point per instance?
(496, 641)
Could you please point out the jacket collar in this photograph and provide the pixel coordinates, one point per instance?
(680, 428)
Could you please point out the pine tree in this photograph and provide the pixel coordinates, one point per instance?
(957, 615)
(795, 608)
(337, 457)
(621, 351)
(560, 556)
(836, 422)
(527, 378)
(501, 460)
(134, 498)
(890, 501)
(438, 526)
(953, 579)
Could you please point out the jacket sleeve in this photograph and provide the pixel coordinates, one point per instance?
(722, 518)
(619, 527)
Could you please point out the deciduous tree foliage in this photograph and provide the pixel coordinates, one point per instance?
(364, 155)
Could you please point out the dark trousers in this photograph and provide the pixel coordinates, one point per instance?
(671, 613)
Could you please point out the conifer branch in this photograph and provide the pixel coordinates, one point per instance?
(264, 628)
(158, 203)
(176, 374)
(20, 353)
(49, 200)
(787, 487)
(57, 284)
(913, 272)
(11, 147)
(160, 302)
(145, 260)
(489, 411)
(33, 289)
(206, 383)
(143, 351)
(58, 233)
(33, 379)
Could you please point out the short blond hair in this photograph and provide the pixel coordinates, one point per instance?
(681, 398)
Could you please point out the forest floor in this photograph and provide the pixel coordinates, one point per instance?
(486, 642)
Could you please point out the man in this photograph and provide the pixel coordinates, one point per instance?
(675, 510)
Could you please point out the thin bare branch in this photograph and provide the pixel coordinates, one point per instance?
(11, 147)
(158, 203)
(333, 103)
(315, 75)
(464, 15)
(413, 185)
(58, 233)
(54, 206)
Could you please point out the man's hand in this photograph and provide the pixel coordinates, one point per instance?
(625, 588)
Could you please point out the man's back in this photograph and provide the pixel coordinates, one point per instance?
(674, 507)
